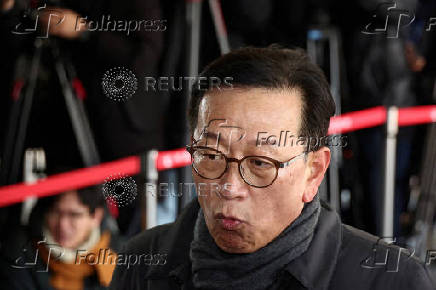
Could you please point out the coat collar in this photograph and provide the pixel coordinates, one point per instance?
(313, 269)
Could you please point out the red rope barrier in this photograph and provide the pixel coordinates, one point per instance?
(357, 120)
(173, 159)
(416, 115)
(84, 177)
(71, 180)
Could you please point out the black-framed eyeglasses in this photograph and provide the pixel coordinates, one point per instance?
(257, 171)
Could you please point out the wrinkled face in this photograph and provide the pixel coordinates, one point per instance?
(70, 222)
(242, 218)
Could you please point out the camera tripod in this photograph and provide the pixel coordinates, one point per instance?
(13, 151)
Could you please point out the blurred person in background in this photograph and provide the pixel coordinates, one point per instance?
(120, 128)
(420, 51)
(67, 240)
(379, 74)
(260, 23)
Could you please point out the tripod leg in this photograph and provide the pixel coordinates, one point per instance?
(12, 126)
(17, 152)
(82, 130)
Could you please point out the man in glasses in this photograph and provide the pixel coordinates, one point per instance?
(258, 222)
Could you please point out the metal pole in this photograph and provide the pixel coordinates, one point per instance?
(335, 73)
(389, 184)
(330, 189)
(193, 19)
(335, 201)
(193, 23)
(335, 84)
(220, 26)
(33, 166)
(151, 177)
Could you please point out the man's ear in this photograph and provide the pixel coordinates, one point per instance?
(318, 163)
(97, 216)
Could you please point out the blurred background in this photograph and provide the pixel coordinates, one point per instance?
(72, 79)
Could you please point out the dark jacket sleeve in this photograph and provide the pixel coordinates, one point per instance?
(135, 125)
(123, 278)
(140, 45)
(416, 276)
(134, 275)
(17, 270)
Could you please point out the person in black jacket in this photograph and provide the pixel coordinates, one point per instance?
(259, 155)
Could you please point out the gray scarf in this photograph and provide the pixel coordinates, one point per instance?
(213, 268)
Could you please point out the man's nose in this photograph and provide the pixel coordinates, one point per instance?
(232, 184)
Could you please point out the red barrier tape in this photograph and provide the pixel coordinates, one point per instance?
(173, 159)
(69, 180)
(416, 115)
(357, 120)
(180, 157)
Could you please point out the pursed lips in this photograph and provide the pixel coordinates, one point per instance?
(228, 222)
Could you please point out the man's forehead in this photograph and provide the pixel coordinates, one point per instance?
(220, 128)
(250, 109)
